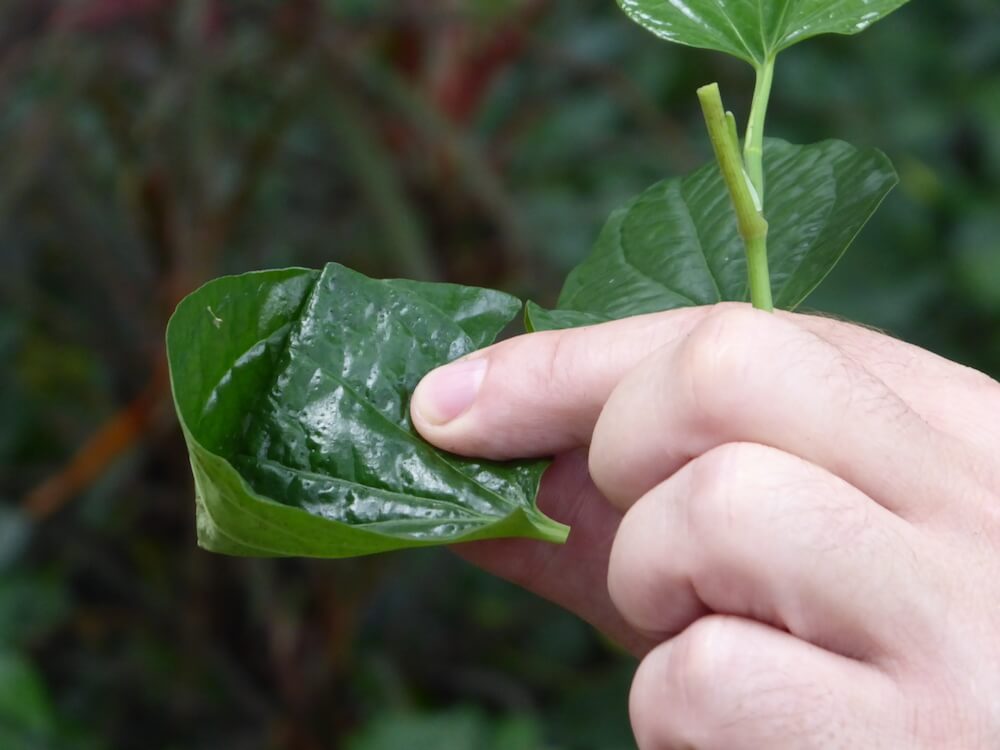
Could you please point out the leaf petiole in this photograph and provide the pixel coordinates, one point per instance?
(750, 222)
(753, 150)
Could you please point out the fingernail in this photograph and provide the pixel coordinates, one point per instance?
(449, 391)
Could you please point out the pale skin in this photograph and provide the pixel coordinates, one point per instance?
(793, 522)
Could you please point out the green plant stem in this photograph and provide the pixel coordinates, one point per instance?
(734, 131)
(760, 277)
(753, 150)
(751, 223)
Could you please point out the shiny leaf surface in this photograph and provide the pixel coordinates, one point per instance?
(677, 245)
(754, 30)
(293, 389)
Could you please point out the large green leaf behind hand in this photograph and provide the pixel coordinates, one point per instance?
(677, 245)
(293, 389)
(754, 30)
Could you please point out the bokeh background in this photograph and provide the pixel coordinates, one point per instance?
(149, 145)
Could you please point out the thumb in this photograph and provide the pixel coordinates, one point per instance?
(541, 393)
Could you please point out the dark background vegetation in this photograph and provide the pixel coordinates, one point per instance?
(149, 145)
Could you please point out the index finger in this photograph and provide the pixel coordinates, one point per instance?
(541, 393)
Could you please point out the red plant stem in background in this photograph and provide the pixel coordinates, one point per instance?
(461, 88)
(109, 441)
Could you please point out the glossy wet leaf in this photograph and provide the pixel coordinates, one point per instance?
(754, 30)
(293, 389)
(677, 245)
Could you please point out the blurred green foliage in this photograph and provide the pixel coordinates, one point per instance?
(151, 144)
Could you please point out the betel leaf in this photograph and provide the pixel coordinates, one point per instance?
(677, 245)
(293, 389)
(754, 30)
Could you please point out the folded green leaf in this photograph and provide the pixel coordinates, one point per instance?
(677, 244)
(293, 390)
(754, 30)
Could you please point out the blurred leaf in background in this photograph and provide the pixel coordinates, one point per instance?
(457, 729)
(149, 145)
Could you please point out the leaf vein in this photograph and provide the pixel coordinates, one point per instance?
(436, 456)
(739, 36)
(626, 260)
(402, 495)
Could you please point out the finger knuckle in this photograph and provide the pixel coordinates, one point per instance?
(559, 360)
(536, 357)
(633, 564)
(611, 460)
(602, 460)
(647, 702)
(676, 688)
(621, 565)
(529, 369)
(700, 659)
(715, 358)
(550, 364)
(714, 501)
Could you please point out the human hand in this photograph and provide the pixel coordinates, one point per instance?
(808, 553)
